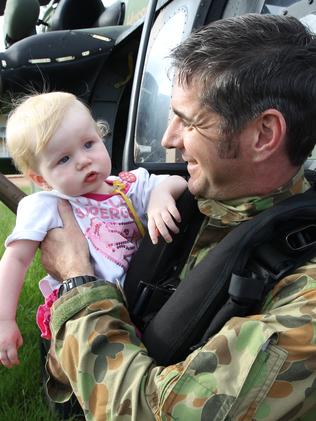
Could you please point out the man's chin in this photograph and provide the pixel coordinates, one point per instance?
(200, 190)
(193, 188)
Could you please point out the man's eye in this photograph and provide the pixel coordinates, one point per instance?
(186, 124)
(88, 145)
(63, 160)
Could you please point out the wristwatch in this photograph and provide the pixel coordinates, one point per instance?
(71, 283)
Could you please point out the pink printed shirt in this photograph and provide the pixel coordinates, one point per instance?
(105, 220)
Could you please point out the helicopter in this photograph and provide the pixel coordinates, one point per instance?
(115, 58)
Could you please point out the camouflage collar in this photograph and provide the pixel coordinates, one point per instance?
(232, 212)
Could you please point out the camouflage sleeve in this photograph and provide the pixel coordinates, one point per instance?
(241, 373)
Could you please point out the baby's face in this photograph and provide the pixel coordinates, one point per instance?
(75, 161)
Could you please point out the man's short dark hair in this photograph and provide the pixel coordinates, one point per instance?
(247, 64)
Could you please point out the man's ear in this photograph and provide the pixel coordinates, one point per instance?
(271, 133)
(38, 180)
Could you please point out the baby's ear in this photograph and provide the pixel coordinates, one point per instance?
(38, 180)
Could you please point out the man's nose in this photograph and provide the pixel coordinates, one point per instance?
(172, 137)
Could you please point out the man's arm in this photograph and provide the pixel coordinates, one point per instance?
(112, 375)
(65, 252)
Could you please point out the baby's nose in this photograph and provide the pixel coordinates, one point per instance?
(82, 163)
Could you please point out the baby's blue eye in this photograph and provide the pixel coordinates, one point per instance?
(64, 159)
(88, 145)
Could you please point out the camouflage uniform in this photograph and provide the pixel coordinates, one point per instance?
(261, 367)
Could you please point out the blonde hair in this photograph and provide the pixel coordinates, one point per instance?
(34, 121)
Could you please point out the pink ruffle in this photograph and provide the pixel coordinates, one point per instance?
(43, 315)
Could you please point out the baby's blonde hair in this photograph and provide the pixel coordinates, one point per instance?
(32, 124)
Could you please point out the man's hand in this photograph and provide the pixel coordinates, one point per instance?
(65, 252)
(10, 342)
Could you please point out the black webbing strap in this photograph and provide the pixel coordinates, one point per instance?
(153, 273)
(265, 248)
(269, 263)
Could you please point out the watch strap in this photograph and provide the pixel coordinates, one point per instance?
(71, 283)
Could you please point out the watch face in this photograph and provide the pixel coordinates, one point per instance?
(74, 282)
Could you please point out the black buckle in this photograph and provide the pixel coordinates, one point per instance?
(302, 238)
(152, 296)
(144, 291)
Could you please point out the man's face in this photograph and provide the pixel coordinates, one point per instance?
(195, 132)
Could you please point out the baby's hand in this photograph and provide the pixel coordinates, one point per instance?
(162, 214)
(10, 342)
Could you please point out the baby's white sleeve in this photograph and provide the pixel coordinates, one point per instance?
(140, 190)
(36, 214)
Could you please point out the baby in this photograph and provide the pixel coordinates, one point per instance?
(54, 141)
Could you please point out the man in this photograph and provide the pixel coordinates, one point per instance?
(244, 107)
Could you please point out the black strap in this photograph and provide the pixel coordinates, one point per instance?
(268, 264)
(267, 247)
(153, 273)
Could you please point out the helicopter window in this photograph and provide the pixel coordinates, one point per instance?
(154, 100)
(173, 24)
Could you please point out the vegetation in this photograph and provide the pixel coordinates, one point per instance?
(21, 393)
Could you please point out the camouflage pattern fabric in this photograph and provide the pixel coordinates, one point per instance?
(223, 216)
(257, 368)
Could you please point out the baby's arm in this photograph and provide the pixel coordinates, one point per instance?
(162, 211)
(13, 265)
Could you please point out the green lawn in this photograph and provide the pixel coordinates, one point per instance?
(21, 394)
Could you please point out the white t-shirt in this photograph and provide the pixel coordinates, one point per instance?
(105, 220)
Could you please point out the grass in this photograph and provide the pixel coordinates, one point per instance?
(21, 393)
